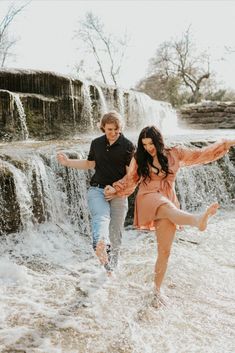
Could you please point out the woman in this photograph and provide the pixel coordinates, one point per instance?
(154, 168)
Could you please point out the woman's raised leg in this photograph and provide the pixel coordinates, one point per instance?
(180, 217)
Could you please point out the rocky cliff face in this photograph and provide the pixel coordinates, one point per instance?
(45, 105)
(51, 105)
(208, 115)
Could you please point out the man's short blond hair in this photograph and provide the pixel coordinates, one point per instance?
(112, 117)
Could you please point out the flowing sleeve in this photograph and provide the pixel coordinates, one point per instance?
(126, 186)
(195, 156)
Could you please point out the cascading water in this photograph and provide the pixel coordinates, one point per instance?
(86, 114)
(54, 295)
(54, 192)
(67, 107)
(23, 196)
(72, 100)
(120, 101)
(16, 101)
(144, 111)
(102, 102)
(22, 116)
(203, 184)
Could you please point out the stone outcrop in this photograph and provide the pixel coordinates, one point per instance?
(208, 115)
(45, 105)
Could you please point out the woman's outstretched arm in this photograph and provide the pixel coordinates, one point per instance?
(195, 156)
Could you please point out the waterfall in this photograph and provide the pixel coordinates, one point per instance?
(72, 98)
(55, 296)
(102, 103)
(73, 184)
(143, 111)
(23, 194)
(22, 116)
(47, 192)
(120, 102)
(67, 106)
(203, 185)
(86, 113)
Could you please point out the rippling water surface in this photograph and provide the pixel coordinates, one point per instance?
(56, 298)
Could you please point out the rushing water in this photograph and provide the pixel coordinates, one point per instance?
(55, 297)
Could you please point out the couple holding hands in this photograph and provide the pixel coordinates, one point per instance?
(152, 166)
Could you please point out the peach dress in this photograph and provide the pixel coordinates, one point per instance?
(159, 190)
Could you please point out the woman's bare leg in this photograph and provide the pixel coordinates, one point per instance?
(165, 232)
(184, 218)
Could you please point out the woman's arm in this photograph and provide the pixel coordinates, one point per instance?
(195, 156)
(74, 163)
(125, 186)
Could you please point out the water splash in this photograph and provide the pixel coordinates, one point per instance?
(56, 277)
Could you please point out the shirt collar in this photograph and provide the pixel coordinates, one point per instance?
(117, 142)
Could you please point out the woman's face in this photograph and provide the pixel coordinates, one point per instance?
(149, 146)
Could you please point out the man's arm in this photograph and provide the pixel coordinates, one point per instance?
(74, 163)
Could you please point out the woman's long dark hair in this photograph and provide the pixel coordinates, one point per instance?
(144, 159)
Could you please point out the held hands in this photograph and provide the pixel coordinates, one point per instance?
(62, 158)
(109, 193)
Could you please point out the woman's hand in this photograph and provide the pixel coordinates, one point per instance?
(62, 159)
(231, 143)
(109, 193)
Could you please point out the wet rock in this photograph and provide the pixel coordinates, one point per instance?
(208, 115)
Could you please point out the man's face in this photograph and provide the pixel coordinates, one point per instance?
(112, 132)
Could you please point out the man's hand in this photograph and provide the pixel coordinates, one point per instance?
(62, 158)
(109, 193)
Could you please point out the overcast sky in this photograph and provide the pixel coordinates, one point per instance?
(46, 29)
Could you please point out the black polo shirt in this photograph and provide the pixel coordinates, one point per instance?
(110, 160)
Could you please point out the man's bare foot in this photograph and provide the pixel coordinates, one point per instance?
(203, 219)
(108, 269)
(101, 252)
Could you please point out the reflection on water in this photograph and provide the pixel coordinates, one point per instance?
(56, 298)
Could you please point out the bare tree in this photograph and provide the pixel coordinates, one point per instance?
(179, 59)
(6, 42)
(107, 50)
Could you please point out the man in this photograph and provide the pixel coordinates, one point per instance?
(109, 155)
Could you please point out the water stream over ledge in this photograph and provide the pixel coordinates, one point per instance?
(56, 298)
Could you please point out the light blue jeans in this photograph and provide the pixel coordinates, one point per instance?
(107, 220)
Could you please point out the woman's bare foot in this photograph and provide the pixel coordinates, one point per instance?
(203, 219)
(101, 252)
(158, 301)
